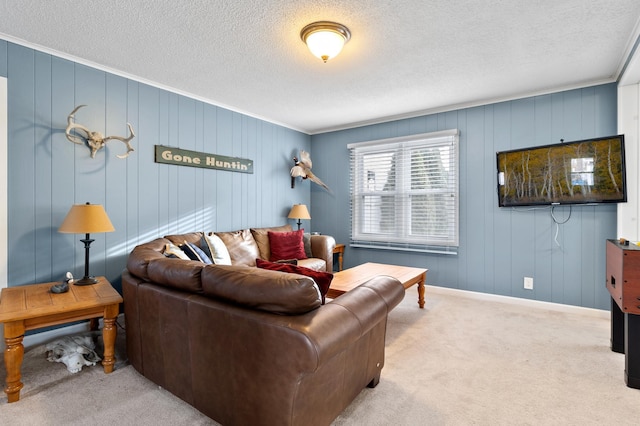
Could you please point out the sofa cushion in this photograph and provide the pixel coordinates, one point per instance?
(219, 253)
(241, 245)
(286, 245)
(172, 250)
(255, 288)
(262, 238)
(313, 263)
(195, 253)
(306, 240)
(204, 246)
(323, 279)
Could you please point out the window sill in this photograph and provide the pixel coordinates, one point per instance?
(407, 248)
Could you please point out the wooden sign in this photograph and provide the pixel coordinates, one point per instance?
(184, 157)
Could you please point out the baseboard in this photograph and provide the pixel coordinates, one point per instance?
(534, 304)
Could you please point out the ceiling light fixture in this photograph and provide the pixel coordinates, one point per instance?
(325, 39)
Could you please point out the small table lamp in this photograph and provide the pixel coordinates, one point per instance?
(86, 219)
(299, 211)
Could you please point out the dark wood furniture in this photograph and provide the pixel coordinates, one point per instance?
(32, 306)
(351, 278)
(623, 283)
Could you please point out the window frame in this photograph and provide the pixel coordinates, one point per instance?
(401, 238)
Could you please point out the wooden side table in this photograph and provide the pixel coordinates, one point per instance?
(339, 248)
(33, 306)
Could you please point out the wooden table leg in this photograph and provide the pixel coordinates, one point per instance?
(109, 333)
(423, 278)
(13, 354)
(339, 249)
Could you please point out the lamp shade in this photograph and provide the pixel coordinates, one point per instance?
(86, 219)
(299, 211)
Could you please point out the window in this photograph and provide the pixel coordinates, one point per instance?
(404, 192)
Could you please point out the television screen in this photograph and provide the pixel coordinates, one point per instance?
(580, 172)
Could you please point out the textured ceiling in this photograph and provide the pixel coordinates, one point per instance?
(405, 57)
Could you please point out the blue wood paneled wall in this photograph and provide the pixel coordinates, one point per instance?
(47, 173)
(498, 247)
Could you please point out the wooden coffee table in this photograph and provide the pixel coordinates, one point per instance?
(351, 278)
(32, 306)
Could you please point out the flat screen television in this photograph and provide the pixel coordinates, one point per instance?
(580, 172)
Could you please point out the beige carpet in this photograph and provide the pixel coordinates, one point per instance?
(460, 361)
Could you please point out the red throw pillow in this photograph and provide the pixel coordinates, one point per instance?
(323, 279)
(286, 245)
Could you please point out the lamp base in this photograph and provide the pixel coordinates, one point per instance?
(85, 281)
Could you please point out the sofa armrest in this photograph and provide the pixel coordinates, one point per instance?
(322, 248)
(347, 318)
(141, 255)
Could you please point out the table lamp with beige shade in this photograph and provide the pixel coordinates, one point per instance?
(299, 211)
(86, 219)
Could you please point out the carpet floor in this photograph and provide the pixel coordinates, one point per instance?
(463, 360)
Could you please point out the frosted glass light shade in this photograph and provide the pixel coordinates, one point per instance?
(325, 44)
(325, 39)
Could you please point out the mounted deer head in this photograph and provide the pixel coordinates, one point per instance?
(95, 140)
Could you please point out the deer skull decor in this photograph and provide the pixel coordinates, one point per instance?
(73, 351)
(95, 140)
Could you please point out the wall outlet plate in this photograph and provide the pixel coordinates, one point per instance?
(528, 283)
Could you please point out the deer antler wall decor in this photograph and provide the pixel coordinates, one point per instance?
(95, 140)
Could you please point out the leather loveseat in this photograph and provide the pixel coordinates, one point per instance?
(249, 346)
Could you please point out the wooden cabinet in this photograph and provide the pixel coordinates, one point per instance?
(623, 283)
(623, 276)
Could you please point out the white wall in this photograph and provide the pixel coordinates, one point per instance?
(3, 192)
(628, 109)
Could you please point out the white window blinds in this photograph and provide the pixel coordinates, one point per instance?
(404, 192)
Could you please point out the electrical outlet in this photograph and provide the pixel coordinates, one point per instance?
(528, 283)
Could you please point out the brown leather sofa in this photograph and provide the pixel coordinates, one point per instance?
(246, 245)
(249, 346)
